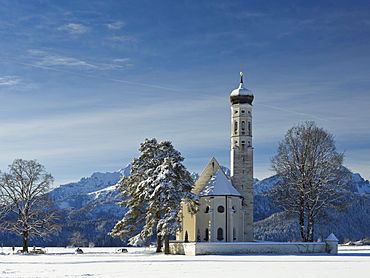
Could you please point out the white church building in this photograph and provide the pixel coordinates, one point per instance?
(226, 206)
(224, 222)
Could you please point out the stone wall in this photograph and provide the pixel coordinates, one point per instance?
(214, 248)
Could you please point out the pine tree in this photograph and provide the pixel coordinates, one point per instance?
(158, 183)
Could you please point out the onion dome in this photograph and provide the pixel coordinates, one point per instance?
(241, 94)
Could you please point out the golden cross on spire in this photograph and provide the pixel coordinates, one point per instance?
(241, 73)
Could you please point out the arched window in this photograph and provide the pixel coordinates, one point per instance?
(206, 235)
(235, 126)
(249, 128)
(243, 125)
(207, 209)
(234, 234)
(220, 234)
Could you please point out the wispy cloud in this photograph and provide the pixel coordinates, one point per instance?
(116, 25)
(47, 63)
(122, 38)
(123, 60)
(9, 80)
(74, 28)
(48, 59)
(294, 112)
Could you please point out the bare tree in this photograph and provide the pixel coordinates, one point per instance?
(24, 201)
(312, 178)
(78, 239)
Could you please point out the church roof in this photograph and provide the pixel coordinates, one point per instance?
(206, 175)
(219, 185)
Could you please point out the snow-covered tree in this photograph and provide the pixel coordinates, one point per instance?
(312, 177)
(153, 192)
(24, 201)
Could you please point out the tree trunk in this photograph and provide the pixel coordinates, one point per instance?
(167, 244)
(25, 242)
(159, 244)
(310, 229)
(302, 226)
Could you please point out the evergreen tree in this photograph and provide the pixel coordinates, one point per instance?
(158, 183)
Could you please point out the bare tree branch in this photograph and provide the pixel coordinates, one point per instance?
(25, 207)
(312, 178)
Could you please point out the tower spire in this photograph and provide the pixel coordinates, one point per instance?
(241, 73)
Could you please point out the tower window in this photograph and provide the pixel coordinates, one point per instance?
(243, 125)
(220, 209)
(220, 234)
(243, 111)
(243, 142)
(235, 126)
(206, 236)
(234, 233)
(236, 111)
(207, 209)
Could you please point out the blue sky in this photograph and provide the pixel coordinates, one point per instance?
(83, 83)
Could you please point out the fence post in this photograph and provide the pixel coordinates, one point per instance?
(332, 244)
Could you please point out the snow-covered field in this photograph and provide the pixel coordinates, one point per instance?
(144, 262)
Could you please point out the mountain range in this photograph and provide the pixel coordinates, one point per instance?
(89, 207)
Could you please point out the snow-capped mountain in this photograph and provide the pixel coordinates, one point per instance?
(362, 185)
(356, 182)
(95, 182)
(90, 207)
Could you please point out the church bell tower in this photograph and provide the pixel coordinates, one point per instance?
(241, 164)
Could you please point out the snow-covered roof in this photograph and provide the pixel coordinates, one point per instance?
(241, 94)
(219, 185)
(241, 91)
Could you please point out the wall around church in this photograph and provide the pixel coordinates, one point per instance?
(213, 248)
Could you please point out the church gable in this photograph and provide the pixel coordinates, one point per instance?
(219, 185)
(206, 176)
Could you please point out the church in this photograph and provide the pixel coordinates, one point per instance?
(226, 205)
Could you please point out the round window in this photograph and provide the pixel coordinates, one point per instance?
(220, 209)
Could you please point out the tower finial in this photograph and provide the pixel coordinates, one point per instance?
(241, 73)
(241, 77)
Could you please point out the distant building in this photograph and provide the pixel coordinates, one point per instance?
(226, 206)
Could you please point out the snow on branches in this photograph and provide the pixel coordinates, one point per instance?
(157, 185)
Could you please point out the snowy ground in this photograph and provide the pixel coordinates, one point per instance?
(144, 262)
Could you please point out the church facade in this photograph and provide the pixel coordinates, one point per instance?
(226, 205)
